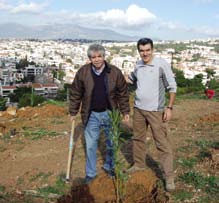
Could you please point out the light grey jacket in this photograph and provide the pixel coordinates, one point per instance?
(152, 81)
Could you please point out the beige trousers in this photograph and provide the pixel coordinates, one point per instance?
(141, 120)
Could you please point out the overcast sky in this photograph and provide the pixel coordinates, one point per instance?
(163, 19)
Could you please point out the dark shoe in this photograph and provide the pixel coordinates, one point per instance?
(134, 168)
(89, 179)
(110, 172)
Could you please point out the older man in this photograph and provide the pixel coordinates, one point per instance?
(98, 87)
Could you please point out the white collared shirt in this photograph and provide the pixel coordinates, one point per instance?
(99, 71)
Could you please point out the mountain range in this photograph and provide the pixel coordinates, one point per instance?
(60, 31)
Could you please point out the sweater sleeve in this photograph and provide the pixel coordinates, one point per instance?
(169, 78)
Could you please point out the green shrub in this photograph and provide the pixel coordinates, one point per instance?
(30, 100)
(18, 93)
(181, 90)
(117, 140)
(213, 84)
(61, 95)
(2, 104)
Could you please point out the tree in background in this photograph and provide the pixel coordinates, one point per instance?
(180, 78)
(30, 100)
(25, 96)
(186, 85)
(54, 74)
(22, 63)
(212, 83)
(58, 74)
(3, 104)
(68, 60)
(19, 92)
(62, 94)
(61, 75)
(196, 57)
(29, 78)
(196, 83)
(210, 73)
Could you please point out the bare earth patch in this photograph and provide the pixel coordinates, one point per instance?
(33, 158)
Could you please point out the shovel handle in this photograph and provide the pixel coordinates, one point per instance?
(71, 144)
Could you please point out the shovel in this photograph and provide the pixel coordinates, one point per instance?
(70, 157)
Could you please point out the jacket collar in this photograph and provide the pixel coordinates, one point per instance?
(107, 67)
(141, 62)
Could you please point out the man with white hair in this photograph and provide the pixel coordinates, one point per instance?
(98, 88)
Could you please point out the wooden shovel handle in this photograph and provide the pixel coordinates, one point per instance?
(71, 144)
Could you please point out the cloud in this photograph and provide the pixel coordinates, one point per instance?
(207, 31)
(169, 25)
(4, 5)
(132, 17)
(181, 29)
(30, 8)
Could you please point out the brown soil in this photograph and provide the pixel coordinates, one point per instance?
(214, 117)
(44, 111)
(28, 164)
(140, 188)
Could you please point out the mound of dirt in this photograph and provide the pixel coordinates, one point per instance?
(44, 111)
(141, 187)
(48, 110)
(214, 117)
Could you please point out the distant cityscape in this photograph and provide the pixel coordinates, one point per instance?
(46, 65)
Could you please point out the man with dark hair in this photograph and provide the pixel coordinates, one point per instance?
(98, 87)
(152, 76)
